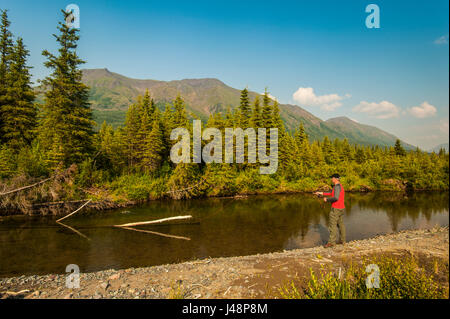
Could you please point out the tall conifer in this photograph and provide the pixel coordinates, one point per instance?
(132, 126)
(179, 116)
(244, 110)
(19, 111)
(67, 115)
(267, 111)
(256, 120)
(153, 146)
(6, 48)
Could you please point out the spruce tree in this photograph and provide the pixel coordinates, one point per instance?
(267, 118)
(346, 153)
(144, 130)
(19, 116)
(256, 119)
(153, 146)
(6, 48)
(327, 149)
(119, 152)
(67, 116)
(244, 110)
(267, 115)
(179, 116)
(360, 157)
(300, 135)
(277, 122)
(399, 150)
(166, 125)
(132, 126)
(148, 105)
(229, 118)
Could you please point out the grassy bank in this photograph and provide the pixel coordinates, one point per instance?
(65, 190)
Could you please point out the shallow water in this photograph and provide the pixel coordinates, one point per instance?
(220, 227)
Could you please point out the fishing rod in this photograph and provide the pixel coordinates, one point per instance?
(322, 203)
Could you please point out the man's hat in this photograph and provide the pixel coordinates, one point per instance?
(335, 176)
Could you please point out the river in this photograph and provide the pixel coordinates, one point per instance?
(220, 227)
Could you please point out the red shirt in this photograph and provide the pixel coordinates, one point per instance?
(337, 196)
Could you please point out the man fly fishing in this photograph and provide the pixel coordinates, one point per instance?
(336, 199)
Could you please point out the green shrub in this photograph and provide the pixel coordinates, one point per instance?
(399, 279)
(7, 162)
(31, 161)
(306, 184)
(221, 179)
(249, 181)
(136, 187)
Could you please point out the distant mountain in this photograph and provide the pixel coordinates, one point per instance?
(112, 93)
(362, 133)
(438, 147)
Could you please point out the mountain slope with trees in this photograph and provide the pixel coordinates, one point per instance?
(361, 133)
(111, 93)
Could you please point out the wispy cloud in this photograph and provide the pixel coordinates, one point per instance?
(441, 40)
(424, 110)
(443, 126)
(271, 96)
(382, 110)
(328, 102)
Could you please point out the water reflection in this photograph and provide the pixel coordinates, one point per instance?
(222, 227)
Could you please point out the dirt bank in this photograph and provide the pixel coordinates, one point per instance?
(256, 276)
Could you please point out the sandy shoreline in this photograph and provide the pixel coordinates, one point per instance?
(255, 276)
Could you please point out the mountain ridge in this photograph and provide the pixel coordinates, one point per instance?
(111, 94)
(437, 148)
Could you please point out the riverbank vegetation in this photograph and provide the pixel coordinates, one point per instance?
(131, 163)
(399, 278)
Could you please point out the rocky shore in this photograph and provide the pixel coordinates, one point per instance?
(256, 276)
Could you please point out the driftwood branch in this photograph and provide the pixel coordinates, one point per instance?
(81, 207)
(154, 221)
(16, 293)
(26, 187)
(155, 233)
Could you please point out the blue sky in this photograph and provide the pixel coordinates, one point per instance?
(316, 54)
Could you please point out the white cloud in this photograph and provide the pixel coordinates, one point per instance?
(443, 126)
(271, 96)
(424, 110)
(307, 97)
(441, 40)
(382, 110)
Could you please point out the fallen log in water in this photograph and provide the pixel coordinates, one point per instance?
(157, 221)
(74, 230)
(155, 233)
